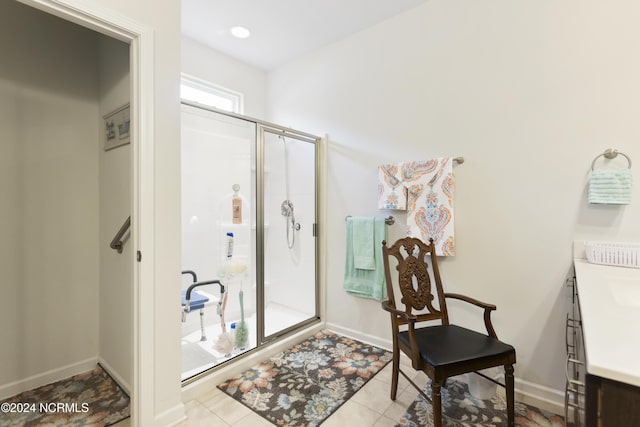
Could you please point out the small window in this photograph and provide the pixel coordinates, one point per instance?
(199, 91)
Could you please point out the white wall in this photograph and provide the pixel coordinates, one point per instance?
(529, 93)
(217, 68)
(49, 192)
(116, 287)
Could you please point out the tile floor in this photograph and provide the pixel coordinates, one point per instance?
(371, 406)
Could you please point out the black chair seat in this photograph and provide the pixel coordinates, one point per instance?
(447, 345)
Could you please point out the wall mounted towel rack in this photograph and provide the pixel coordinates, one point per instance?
(458, 160)
(610, 153)
(390, 220)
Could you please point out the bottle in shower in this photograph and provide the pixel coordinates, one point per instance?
(229, 245)
(236, 206)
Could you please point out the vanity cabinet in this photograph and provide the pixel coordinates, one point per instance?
(603, 348)
(611, 403)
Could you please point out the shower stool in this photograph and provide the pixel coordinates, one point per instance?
(192, 300)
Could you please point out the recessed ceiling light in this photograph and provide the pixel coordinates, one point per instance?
(240, 32)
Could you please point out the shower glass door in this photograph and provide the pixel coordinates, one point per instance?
(249, 215)
(289, 236)
(218, 238)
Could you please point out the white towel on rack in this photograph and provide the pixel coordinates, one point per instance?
(610, 186)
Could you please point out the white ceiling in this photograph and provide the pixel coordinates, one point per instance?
(282, 29)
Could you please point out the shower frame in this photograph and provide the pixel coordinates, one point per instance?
(263, 127)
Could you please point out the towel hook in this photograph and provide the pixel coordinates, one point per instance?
(610, 153)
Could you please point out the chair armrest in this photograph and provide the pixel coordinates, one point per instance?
(408, 317)
(471, 301)
(192, 273)
(187, 298)
(187, 305)
(207, 282)
(488, 308)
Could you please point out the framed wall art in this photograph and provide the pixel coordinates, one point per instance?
(116, 128)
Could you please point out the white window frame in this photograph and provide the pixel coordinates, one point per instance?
(236, 99)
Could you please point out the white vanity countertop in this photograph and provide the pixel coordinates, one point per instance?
(610, 310)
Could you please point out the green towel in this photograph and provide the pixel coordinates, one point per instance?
(610, 186)
(362, 243)
(366, 283)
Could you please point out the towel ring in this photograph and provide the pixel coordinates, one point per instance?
(610, 153)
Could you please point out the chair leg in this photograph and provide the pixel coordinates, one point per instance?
(508, 377)
(395, 373)
(436, 401)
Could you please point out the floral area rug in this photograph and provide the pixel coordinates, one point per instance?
(305, 384)
(461, 409)
(89, 399)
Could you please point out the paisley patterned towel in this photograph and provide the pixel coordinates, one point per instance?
(305, 384)
(391, 192)
(425, 189)
(430, 210)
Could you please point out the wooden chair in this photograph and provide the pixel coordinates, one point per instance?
(442, 350)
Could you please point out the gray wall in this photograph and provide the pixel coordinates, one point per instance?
(69, 294)
(158, 346)
(49, 191)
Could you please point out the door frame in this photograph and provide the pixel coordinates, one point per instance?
(140, 39)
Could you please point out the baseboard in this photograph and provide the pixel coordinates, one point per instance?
(171, 416)
(533, 394)
(210, 381)
(116, 377)
(540, 396)
(17, 387)
(365, 338)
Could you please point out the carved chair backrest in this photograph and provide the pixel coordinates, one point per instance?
(413, 280)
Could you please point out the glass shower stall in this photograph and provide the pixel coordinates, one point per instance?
(249, 241)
